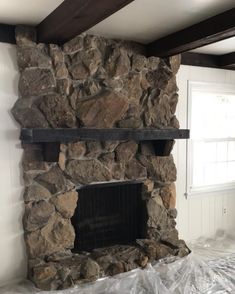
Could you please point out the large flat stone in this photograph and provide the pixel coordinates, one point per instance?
(36, 82)
(102, 111)
(53, 180)
(87, 171)
(58, 112)
(66, 203)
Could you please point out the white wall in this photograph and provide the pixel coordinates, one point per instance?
(201, 215)
(12, 251)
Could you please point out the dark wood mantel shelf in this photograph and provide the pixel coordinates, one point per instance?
(71, 135)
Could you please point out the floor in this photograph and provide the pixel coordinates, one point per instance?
(209, 269)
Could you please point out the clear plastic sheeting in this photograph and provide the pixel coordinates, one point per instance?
(209, 269)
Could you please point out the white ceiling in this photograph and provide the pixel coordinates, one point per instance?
(219, 48)
(147, 20)
(29, 12)
(141, 20)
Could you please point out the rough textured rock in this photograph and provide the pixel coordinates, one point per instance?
(135, 170)
(44, 276)
(53, 180)
(33, 159)
(25, 36)
(32, 57)
(76, 150)
(99, 83)
(28, 115)
(58, 112)
(66, 203)
(126, 151)
(36, 193)
(37, 215)
(36, 82)
(57, 235)
(90, 269)
(102, 111)
(118, 63)
(168, 195)
(87, 171)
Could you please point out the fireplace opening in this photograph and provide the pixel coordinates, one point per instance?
(109, 214)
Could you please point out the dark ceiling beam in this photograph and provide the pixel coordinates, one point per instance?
(214, 29)
(7, 34)
(74, 17)
(199, 59)
(226, 61)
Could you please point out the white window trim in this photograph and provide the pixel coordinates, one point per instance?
(214, 189)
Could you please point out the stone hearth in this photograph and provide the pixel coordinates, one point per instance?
(99, 83)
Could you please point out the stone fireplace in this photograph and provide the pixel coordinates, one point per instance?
(99, 207)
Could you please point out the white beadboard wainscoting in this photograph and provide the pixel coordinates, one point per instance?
(12, 250)
(201, 215)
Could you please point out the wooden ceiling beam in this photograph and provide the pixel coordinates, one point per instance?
(74, 17)
(214, 29)
(226, 61)
(7, 34)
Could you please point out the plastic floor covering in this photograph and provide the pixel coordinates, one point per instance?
(209, 269)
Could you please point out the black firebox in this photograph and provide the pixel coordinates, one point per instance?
(109, 214)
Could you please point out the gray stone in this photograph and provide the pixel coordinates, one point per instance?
(28, 115)
(53, 180)
(61, 71)
(36, 193)
(58, 112)
(138, 62)
(117, 63)
(73, 45)
(56, 54)
(66, 203)
(32, 57)
(90, 269)
(87, 171)
(37, 215)
(33, 159)
(36, 82)
(102, 111)
(64, 86)
(25, 36)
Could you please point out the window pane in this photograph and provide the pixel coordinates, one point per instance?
(212, 135)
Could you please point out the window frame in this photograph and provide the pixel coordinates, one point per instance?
(191, 191)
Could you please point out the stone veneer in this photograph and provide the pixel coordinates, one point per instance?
(99, 83)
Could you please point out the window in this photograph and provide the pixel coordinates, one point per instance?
(211, 148)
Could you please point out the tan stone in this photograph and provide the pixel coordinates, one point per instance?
(56, 236)
(76, 150)
(168, 195)
(44, 276)
(126, 151)
(102, 111)
(66, 203)
(62, 161)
